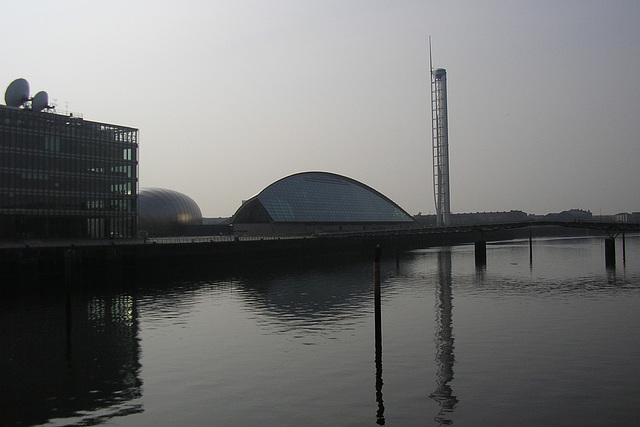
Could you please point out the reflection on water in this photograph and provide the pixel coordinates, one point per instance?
(377, 297)
(292, 345)
(444, 340)
(379, 383)
(72, 357)
(302, 300)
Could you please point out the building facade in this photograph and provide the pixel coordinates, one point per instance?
(318, 203)
(65, 177)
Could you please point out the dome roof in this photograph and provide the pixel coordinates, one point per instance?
(320, 197)
(166, 212)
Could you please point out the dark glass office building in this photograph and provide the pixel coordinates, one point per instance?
(318, 202)
(65, 177)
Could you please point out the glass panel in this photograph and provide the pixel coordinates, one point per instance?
(319, 197)
(62, 171)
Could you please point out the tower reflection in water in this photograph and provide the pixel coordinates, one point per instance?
(444, 340)
(68, 359)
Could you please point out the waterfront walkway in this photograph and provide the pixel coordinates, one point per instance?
(43, 259)
(613, 229)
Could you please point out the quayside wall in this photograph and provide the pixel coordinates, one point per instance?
(40, 261)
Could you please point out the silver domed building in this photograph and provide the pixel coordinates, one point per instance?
(163, 212)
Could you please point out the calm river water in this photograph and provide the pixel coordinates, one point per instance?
(552, 343)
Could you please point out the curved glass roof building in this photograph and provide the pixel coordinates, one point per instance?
(163, 212)
(312, 202)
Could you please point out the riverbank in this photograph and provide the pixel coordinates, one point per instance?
(63, 261)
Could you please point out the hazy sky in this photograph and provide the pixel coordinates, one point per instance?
(230, 96)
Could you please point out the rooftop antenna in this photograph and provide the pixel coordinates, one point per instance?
(17, 93)
(40, 101)
(430, 61)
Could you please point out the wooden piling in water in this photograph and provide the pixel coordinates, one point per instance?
(72, 266)
(610, 252)
(530, 247)
(480, 249)
(624, 251)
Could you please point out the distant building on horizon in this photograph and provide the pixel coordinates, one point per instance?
(570, 215)
(475, 218)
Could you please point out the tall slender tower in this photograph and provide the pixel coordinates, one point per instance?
(440, 136)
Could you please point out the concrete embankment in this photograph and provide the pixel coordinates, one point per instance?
(39, 261)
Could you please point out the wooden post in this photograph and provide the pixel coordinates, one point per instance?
(72, 267)
(481, 253)
(68, 326)
(610, 252)
(624, 253)
(530, 247)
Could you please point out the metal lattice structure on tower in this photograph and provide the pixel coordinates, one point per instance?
(440, 136)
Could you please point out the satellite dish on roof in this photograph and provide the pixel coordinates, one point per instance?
(17, 93)
(40, 101)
